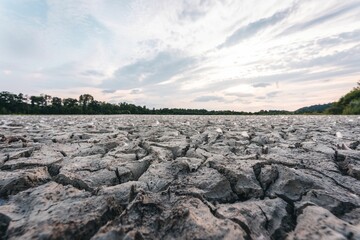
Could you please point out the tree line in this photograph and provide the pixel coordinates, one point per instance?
(11, 103)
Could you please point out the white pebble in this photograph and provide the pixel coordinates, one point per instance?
(244, 134)
(338, 135)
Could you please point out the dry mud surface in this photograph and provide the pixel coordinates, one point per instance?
(179, 177)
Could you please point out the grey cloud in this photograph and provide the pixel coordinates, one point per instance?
(253, 28)
(192, 15)
(108, 91)
(268, 96)
(149, 71)
(344, 37)
(92, 73)
(240, 95)
(350, 35)
(328, 41)
(261, 98)
(261, 85)
(194, 10)
(135, 91)
(349, 58)
(272, 94)
(320, 20)
(209, 99)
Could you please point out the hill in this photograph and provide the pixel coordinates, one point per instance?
(318, 108)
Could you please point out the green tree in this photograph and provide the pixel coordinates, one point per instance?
(39, 101)
(84, 101)
(71, 106)
(348, 104)
(70, 102)
(56, 105)
(56, 102)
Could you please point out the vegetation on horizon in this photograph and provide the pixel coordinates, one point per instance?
(314, 109)
(348, 104)
(11, 103)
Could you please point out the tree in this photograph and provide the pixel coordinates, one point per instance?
(47, 99)
(56, 102)
(85, 100)
(9, 102)
(70, 102)
(71, 106)
(39, 101)
(56, 105)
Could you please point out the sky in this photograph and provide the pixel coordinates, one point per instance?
(242, 55)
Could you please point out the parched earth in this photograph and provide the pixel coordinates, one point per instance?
(179, 177)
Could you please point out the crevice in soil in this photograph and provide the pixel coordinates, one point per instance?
(289, 222)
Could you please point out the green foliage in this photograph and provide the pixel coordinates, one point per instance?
(319, 108)
(273, 112)
(353, 107)
(11, 103)
(45, 104)
(39, 101)
(348, 104)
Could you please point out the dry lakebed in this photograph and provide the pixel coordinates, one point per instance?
(179, 177)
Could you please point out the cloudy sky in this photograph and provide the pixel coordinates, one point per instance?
(231, 54)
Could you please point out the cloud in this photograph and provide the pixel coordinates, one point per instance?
(253, 28)
(345, 37)
(93, 73)
(272, 94)
(239, 94)
(320, 20)
(193, 10)
(261, 85)
(347, 58)
(192, 15)
(150, 71)
(135, 91)
(261, 97)
(109, 91)
(228, 84)
(209, 98)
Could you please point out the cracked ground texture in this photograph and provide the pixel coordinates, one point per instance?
(179, 177)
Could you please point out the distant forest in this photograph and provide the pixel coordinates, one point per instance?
(11, 103)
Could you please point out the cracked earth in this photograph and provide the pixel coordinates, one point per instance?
(179, 177)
